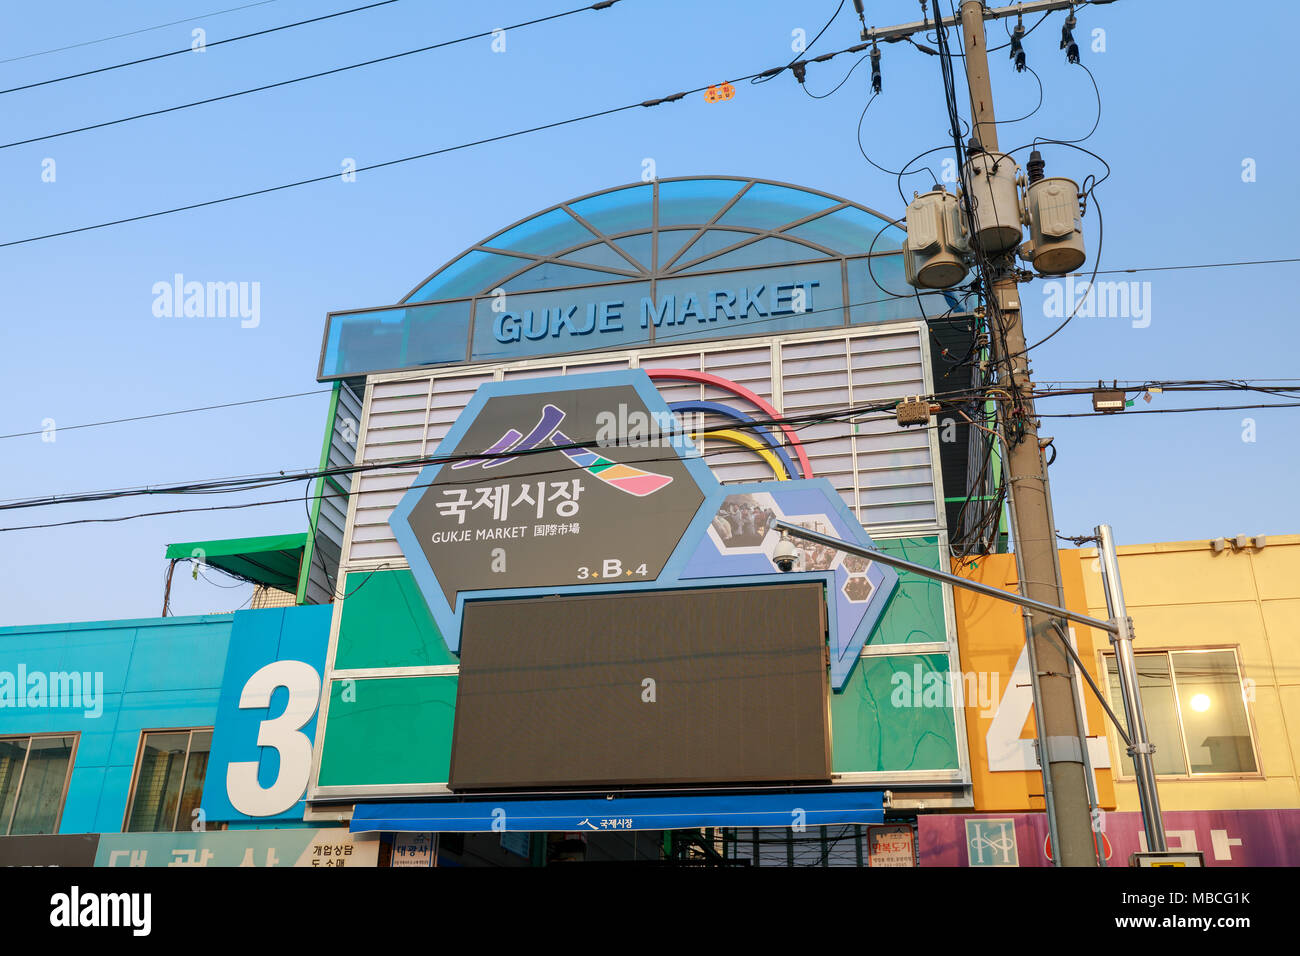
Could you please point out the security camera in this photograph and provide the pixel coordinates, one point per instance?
(785, 554)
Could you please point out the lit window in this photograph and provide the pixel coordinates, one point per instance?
(1195, 712)
(168, 780)
(34, 775)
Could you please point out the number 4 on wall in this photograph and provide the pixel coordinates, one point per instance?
(283, 733)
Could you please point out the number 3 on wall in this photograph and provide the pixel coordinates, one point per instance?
(284, 733)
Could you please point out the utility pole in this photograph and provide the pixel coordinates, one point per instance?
(1057, 712)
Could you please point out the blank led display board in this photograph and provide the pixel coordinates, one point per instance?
(695, 686)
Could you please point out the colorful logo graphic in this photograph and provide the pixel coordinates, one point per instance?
(759, 439)
(625, 478)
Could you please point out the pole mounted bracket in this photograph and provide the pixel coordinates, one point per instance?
(1147, 749)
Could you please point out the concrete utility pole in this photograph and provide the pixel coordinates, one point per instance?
(1065, 769)
(1058, 711)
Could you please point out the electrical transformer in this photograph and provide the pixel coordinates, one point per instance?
(1055, 244)
(990, 181)
(935, 254)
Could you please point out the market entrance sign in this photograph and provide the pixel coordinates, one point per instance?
(530, 490)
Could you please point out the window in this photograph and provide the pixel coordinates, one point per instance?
(168, 780)
(1195, 710)
(34, 775)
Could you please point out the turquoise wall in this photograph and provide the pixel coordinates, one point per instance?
(157, 673)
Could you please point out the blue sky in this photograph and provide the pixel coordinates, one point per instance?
(79, 341)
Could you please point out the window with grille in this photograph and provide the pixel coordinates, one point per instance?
(168, 780)
(34, 772)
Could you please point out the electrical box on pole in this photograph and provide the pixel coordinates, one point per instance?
(938, 244)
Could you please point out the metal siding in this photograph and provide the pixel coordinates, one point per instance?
(883, 472)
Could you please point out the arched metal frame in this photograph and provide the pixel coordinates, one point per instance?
(685, 228)
(674, 266)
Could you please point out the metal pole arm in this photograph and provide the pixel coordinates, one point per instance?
(956, 581)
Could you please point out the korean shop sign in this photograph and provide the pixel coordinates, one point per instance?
(580, 481)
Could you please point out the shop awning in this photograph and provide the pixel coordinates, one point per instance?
(272, 560)
(812, 808)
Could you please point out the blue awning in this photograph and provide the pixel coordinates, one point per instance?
(813, 808)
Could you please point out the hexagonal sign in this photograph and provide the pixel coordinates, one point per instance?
(733, 537)
(576, 481)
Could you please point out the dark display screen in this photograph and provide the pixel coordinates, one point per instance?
(699, 686)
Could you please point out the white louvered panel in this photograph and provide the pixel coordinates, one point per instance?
(751, 368)
(679, 391)
(684, 360)
(518, 373)
(590, 368)
(814, 377)
(731, 463)
(395, 423)
(377, 493)
(894, 465)
(829, 446)
(890, 381)
(450, 395)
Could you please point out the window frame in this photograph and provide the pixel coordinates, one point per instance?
(1120, 752)
(22, 775)
(135, 772)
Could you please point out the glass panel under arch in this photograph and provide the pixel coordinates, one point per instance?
(851, 231)
(769, 251)
(543, 235)
(476, 271)
(766, 206)
(619, 211)
(693, 202)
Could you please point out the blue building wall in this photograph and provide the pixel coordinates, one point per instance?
(160, 674)
(157, 674)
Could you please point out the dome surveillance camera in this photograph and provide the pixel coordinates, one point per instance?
(785, 554)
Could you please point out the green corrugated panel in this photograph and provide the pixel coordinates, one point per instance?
(388, 730)
(386, 623)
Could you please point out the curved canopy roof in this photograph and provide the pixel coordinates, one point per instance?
(664, 228)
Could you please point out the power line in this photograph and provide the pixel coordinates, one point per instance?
(1201, 265)
(224, 486)
(720, 451)
(603, 5)
(1171, 411)
(659, 340)
(179, 411)
(671, 456)
(671, 98)
(207, 46)
(120, 36)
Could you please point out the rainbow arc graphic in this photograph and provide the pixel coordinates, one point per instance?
(639, 482)
(761, 440)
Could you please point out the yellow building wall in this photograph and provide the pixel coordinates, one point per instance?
(990, 640)
(1183, 595)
